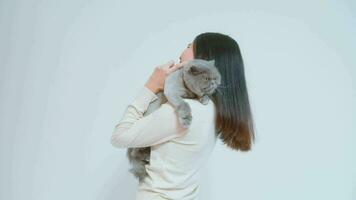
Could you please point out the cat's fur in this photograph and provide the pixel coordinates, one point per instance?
(197, 79)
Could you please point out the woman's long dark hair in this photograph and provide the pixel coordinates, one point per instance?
(233, 121)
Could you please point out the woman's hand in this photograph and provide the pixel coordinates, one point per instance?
(156, 82)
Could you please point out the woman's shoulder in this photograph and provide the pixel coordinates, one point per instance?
(197, 103)
(197, 108)
(203, 111)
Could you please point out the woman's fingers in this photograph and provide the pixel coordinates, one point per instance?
(170, 66)
(167, 65)
(176, 66)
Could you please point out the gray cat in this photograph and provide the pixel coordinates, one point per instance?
(197, 79)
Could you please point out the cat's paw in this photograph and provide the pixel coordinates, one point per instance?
(184, 115)
(204, 99)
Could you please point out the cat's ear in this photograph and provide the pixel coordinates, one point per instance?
(212, 61)
(194, 70)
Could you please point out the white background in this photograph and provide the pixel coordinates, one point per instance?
(68, 69)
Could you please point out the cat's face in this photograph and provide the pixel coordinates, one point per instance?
(201, 76)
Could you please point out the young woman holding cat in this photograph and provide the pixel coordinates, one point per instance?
(178, 153)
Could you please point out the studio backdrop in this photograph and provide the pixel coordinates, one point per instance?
(68, 69)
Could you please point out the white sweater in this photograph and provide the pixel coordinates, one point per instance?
(177, 154)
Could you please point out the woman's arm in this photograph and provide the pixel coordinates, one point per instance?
(136, 130)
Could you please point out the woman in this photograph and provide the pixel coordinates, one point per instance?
(178, 154)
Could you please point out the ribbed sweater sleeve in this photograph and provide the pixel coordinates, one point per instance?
(136, 130)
